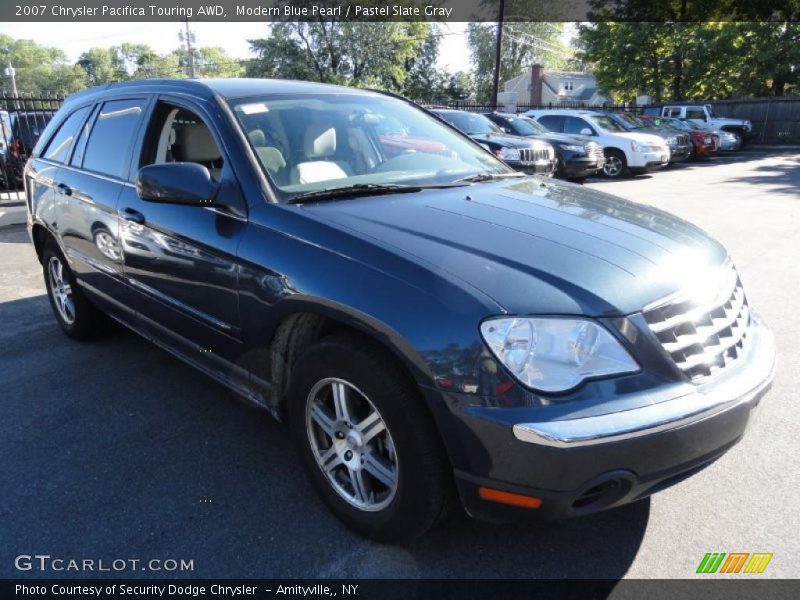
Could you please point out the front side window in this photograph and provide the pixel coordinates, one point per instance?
(114, 128)
(695, 113)
(179, 135)
(307, 143)
(61, 143)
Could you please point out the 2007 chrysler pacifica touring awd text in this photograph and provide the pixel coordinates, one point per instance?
(427, 321)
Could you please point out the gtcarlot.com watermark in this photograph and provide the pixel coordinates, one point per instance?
(46, 563)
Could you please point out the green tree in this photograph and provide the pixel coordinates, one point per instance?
(373, 54)
(524, 44)
(425, 82)
(690, 60)
(38, 68)
(209, 61)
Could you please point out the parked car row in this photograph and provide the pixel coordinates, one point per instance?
(583, 143)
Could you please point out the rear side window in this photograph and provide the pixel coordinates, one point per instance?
(61, 143)
(695, 113)
(552, 122)
(112, 133)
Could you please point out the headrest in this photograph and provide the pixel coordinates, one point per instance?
(319, 141)
(197, 143)
(257, 137)
(271, 158)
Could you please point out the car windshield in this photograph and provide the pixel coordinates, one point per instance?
(470, 123)
(526, 126)
(672, 124)
(309, 143)
(608, 124)
(634, 121)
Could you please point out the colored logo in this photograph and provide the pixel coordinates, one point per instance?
(735, 562)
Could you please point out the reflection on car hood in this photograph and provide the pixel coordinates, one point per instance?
(532, 247)
(563, 138)
(506, 141)
(644, 138)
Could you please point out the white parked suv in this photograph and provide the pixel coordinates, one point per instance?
(626, 151)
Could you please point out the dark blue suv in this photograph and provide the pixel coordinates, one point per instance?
(428, 322)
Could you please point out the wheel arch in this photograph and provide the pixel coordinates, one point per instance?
(299, 323)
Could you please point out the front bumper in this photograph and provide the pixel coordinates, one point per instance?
(680, 153)
(535, 168)
(641, 162)
(583, 166)
(728, 144)
(589, 463)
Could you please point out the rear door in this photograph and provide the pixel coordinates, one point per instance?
(90, 186)
(181, 260)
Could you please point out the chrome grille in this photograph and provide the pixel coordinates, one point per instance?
(595, 151)
(703, 338)
(532, 155)
(683, 140)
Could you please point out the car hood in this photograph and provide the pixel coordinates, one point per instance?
(653, 131)
(644, 138)
(504, 140)
(563, 138)
(533, 246)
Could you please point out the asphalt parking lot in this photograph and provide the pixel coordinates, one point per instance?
(115, 449)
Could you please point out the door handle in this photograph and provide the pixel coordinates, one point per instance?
(63, 188)
(132, 215)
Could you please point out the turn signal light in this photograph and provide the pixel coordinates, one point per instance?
(502, 497)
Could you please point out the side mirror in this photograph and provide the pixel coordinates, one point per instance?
(177, 183)
(587, 131)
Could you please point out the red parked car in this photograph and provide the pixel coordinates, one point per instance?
(704, 143)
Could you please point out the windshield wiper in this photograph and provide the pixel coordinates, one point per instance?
(480, 177)
(359, 189)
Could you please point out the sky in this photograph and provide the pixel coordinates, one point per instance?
(74, 38)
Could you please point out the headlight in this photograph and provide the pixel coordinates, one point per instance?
(637, 147)
(575, 149)
(706, 140)
(673, 140)
(508, 153)
(553, 354)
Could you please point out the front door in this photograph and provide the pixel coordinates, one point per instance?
(180, 261)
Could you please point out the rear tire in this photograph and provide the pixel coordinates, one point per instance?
(367, 440)
(76, 315)
(616, 165)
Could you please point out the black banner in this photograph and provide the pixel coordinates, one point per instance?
(713, 588)
(400, 10)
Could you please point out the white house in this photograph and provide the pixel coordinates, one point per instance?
(537, 86)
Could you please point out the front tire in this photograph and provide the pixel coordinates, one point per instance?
(76, 315)
(367, 440)
(616, 165)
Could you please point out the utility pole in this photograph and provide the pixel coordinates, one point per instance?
(12, 73)
(498, 53)
(189, 38)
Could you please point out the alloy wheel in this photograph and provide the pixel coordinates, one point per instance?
(612, 166)
(61, 290)
(351, 444)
